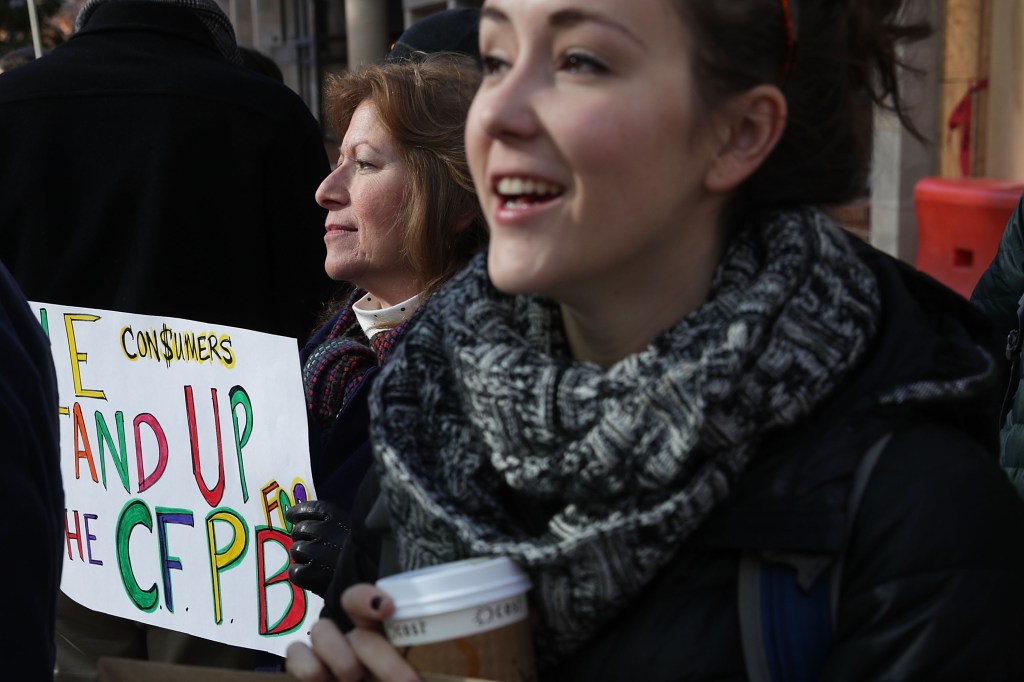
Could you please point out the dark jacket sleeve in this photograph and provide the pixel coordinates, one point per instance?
(932, 586)
(359, 558)
(1001, 286)
(341, 454)
(34, 530)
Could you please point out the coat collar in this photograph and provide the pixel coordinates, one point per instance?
(795, 495)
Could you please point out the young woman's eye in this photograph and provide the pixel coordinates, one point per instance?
(491, 65)
(578, 62)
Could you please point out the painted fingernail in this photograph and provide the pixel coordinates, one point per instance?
(376, 603)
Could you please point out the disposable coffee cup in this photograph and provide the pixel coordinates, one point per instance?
(467, 618)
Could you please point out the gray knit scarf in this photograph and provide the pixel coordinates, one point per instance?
(492, 440)
(207, 11)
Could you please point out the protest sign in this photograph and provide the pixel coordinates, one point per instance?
(182, 445)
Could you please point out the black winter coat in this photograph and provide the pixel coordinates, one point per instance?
(931, 584)
(998, 295)
(31, 461)
(340, 453)
(143, 172)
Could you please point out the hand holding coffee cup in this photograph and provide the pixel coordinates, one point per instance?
(467, 618)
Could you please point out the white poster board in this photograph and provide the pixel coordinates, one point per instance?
(182, 444)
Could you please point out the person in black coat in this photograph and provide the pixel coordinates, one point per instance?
(31, 460)
(672, 376)
(145, 170)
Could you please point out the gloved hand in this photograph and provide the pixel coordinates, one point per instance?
(320, 528)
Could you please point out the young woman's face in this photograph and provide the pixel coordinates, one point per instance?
(364, 196)
(586, 143)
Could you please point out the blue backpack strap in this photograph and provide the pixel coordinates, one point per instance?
(748, 597)
(788, 602)
(785, 621)
(860, 485)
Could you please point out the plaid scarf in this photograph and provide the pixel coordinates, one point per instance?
(337, 366)
(492, 440)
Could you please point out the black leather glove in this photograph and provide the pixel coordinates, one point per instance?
(320, 529)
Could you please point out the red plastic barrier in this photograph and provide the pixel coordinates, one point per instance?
(959, 224)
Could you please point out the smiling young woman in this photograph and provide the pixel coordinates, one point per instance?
(602, 110)
(670, 363)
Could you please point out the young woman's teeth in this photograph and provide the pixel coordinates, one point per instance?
(520, 192)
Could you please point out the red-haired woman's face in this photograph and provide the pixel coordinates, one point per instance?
(364, 196)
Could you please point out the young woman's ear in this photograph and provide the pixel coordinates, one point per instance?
(748, 129)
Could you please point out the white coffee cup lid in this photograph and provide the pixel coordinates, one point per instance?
(454, 586)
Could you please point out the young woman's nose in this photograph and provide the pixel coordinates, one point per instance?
(333, 191)
(506, 109)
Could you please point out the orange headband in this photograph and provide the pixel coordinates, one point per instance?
(787, 65)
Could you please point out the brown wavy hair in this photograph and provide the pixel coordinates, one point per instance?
(423, 106)
(845, 62)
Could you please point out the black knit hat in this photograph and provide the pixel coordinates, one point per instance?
(452, 30)
(207, 11)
